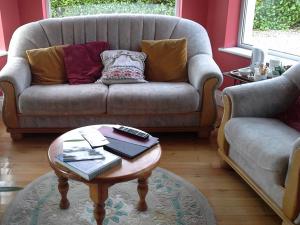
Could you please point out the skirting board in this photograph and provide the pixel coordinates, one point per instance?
(218, 95)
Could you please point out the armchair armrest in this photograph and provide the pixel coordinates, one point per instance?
(202, 67)
(17, 73)
(262, 99)
(291, 198)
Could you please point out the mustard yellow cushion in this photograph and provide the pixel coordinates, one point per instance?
(47, 65)
(166, 59)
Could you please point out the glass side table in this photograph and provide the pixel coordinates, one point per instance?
(238, 78)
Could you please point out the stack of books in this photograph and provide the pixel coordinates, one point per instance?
(84, 159)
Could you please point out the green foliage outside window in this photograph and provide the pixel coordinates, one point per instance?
(61, 8)
(277, 14)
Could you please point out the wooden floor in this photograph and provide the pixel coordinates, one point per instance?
(196, 160)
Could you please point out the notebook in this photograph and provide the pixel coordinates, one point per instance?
(109, 132)
(124, 149)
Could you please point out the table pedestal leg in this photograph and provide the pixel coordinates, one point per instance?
(98, 194)
(63, 187)
(143, 190)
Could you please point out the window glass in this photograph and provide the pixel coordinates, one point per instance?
(272, 24)
(61, 8)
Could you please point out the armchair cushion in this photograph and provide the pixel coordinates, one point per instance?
(261, 147)
(268, 142)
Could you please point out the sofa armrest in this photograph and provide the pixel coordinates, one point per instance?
(262, 99)
(206, 77)
(202, 67)
(14, 78)
(291, 198)
(17, 73)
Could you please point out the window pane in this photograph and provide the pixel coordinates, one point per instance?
(273, 24)
(61, 8)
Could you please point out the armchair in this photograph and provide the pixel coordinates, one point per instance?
(263, 150)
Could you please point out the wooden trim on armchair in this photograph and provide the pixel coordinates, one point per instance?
(222, 143)
(9, 111)
(291, 198)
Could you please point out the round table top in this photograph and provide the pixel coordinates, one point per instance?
(128, 170)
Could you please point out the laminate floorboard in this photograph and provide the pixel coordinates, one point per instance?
(194, 159)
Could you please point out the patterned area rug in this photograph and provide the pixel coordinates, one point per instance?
(171, 201)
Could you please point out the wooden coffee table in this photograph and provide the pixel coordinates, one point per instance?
(139, 168)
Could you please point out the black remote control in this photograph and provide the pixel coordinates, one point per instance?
(136, 133)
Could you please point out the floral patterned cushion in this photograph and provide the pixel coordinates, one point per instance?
(122, 66)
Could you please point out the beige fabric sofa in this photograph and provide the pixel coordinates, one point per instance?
(262, 149)
(159, 106)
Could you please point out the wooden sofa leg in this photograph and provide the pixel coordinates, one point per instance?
(16, 136)
(205, 132)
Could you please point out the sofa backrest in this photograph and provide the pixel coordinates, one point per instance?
(121, 31)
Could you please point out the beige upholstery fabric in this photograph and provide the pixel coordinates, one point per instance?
(152, 98)
(261, 145)
(122, 32)
(166, 120)
(63, 99)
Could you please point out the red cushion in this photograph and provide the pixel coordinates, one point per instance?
(292, 116)
(83, 63)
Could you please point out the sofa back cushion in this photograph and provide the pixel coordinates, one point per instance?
(83, 63)
(47, 65)
(121, 32)
(122, 66)
(166, 60)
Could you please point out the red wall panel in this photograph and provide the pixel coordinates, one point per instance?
(10, 20)
(195, 10)
(223, 27)
(30, 10)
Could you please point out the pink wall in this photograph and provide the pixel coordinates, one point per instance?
(2, 39)
(223, 30)
(2, 63)
(31, 10)
(195, 10)
(10, 20)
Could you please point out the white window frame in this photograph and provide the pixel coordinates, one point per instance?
(246, 26)
(177, 7)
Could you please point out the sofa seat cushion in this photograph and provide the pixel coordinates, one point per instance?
(63, 99)
(265, 142)
(152, 98)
